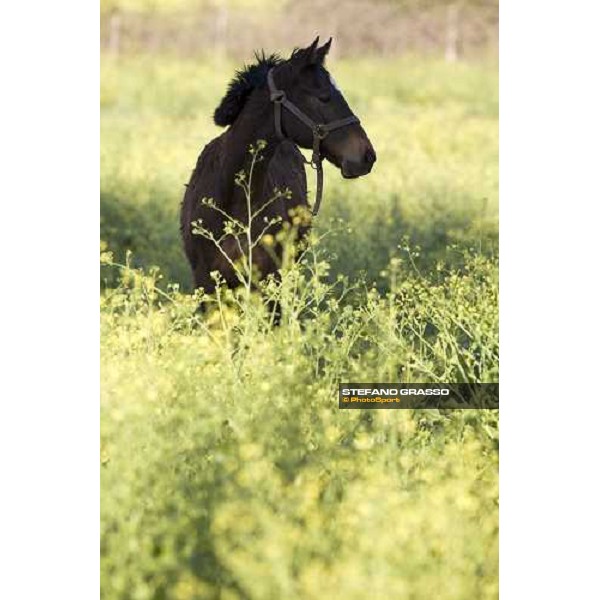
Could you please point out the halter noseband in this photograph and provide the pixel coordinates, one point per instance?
(319, 130)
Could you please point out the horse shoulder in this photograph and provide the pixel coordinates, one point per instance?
(286, 170)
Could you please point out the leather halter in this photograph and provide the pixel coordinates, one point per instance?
(319, 130)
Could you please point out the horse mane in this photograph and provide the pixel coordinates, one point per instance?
(239, 89)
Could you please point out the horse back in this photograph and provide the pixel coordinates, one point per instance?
(203, 183)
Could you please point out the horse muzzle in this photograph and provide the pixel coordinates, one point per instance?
(352, 169)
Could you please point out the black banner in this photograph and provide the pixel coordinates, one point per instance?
(419, 395)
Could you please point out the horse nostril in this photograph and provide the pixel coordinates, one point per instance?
(370, 156)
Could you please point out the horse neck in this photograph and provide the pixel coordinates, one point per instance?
(255, 122)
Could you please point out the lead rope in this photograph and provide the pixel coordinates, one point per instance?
(319, 131)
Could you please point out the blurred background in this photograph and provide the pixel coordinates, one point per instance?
(450, 28)
(421, 74)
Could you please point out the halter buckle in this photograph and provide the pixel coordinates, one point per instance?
(320, 131)
(278, 96)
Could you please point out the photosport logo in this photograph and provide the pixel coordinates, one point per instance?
(419, 395)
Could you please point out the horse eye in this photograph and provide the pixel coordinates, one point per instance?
(326, 97)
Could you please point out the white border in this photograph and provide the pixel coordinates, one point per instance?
(549, 196)
(49, 425)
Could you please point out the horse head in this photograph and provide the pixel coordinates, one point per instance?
(306, 85)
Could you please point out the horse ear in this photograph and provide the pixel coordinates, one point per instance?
(322, 52)
(306, 56)
(311, 51)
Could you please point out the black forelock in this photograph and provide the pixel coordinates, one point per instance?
(247, 79)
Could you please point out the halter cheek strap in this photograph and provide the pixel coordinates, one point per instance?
(319, 130)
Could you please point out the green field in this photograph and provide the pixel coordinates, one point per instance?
(227, 469)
